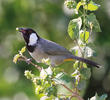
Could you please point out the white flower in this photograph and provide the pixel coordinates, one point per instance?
(49, 71)
(45, 72)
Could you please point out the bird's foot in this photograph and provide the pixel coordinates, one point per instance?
(29, 60)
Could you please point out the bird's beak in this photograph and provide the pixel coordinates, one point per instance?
(21, 30)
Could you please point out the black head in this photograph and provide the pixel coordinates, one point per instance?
(30, 36)
(27, 32)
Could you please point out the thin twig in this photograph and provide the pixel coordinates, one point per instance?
(74, 94)
(23, 58)
(63, 95)
(66, 87)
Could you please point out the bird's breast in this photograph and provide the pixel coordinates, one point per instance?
(38, 54)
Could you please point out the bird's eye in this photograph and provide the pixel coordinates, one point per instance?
(29, 31)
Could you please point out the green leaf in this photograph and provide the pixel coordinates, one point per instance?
(76, 64)
(79, 5)
(91, 6)
(74, 27)
(85, 73)
(73, 30)
(84, 65)
(75, 51)
(84, 36)
(75, 73)
(91, 21)
(63, 77)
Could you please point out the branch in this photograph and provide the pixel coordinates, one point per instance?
(66, 88)
(24, 58)
(74, 94)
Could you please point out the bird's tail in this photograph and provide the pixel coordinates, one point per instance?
(86, 61)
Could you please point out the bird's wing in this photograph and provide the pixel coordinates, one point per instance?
(51, 48)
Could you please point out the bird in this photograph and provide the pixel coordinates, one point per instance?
(40, 48)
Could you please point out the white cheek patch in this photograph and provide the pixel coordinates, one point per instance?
(33, 39)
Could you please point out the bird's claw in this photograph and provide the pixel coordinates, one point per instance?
(29, 60)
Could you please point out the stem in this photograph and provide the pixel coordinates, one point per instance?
(84, 28)
(67, 88)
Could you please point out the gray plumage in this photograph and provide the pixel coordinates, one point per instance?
(56, 53)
